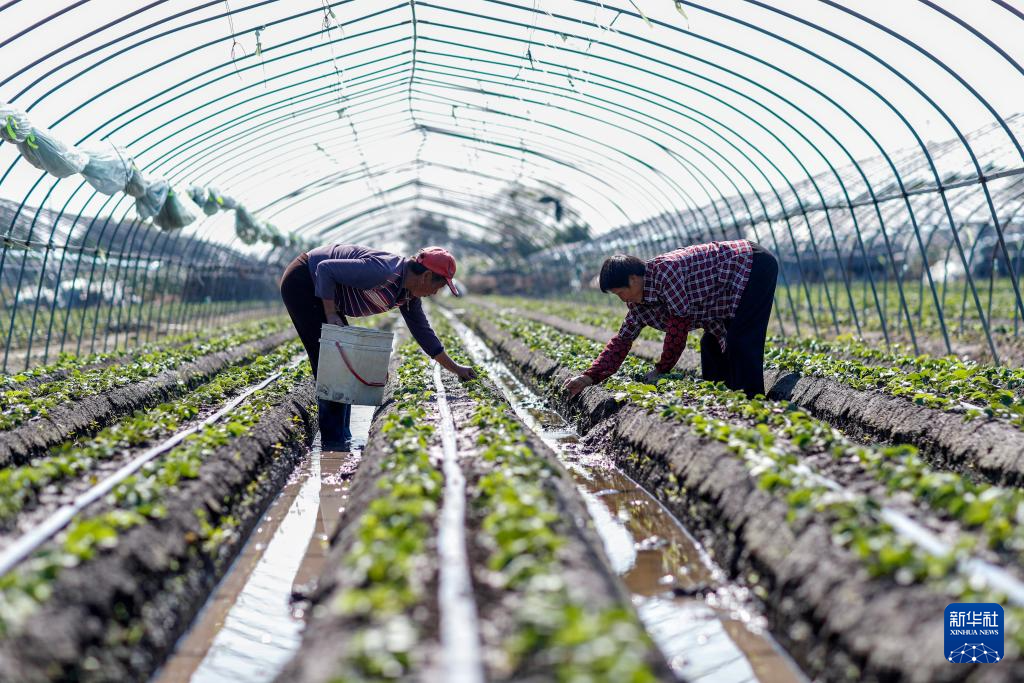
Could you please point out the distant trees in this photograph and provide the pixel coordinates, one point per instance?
(526, 220)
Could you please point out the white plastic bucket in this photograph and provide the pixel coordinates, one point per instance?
(353, 365)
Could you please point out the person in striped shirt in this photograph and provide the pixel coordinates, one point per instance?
(334, 282)
(727, 288)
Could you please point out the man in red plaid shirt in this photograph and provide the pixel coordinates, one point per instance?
(727, 288)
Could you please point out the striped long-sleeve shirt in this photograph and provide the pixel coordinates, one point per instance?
(698, 286)
(364, 281)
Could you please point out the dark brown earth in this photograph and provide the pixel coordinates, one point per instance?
(117, 616)
(585, 569)
(837, 621)
(328, 632)
(984, 449)
(89, 415)
(582, 560)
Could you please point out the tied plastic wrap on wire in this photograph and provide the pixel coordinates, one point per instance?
(46, 152)
(246, 226)
(176, 212)
(136, 185)
(213, 203)
(227, 203)
(14, 123)
(150, 203)
(197, 195)
(274, 236)
(108, 169)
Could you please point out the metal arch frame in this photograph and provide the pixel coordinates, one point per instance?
(13, 317)
(715, 133)
(832, 101)
(939, 182)
(740, 173)
(913, 131)
(710, 96)
(200, 155)
(4, 255)
(804, 212)
(267, 207)
(621, 48)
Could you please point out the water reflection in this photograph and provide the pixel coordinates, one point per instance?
(703, 624)
(249, 630)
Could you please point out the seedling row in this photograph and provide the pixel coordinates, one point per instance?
(786, 501)
(960, 414)
(797, 509)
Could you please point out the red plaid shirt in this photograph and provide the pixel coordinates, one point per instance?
(698, 286)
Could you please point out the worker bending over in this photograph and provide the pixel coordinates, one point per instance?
(727, 288)
(331, 282)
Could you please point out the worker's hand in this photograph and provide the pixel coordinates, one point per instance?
(577, 384)
(334, 319)
(652, 377)
(465, 373)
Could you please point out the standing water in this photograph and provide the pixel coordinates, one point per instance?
(705, 626)
(249, 629)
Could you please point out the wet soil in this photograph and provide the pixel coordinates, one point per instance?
(252, 622)
(707, 627)
(88, 415)
(838, 621)
(328, 633)
(117, 616)
(584, 569)
(985, 449)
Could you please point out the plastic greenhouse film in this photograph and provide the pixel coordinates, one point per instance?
(108, 168)
(14, 123)
(197, 195)
(46, 152)
(176, 212)
(275, 236)
(213, 202)
(150, 203)
(246, 227)
(136, 185)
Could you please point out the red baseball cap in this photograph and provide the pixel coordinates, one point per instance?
(440, 261)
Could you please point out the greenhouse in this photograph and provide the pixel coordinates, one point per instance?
(511, 340)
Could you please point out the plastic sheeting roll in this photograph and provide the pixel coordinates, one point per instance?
(246, 226)
(150, 203)
(108, 169)
(14, 123)
(177, 211)
(46, 152)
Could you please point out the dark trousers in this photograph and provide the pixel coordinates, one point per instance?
(741, 367)
(307, 313)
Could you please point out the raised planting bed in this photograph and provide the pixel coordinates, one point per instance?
(551, 607)
(107, 598)
(850, 595)
(64, 467)
(894, 405)
(374, 611)
(24, 400)
(548, 605)
(83, 403)
(938, 377)
(923, 492)
(67, 363)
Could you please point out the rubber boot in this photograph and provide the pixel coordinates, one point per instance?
(335, 434)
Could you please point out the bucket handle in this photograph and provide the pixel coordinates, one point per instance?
(353, 370)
